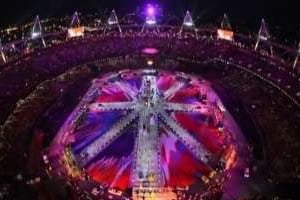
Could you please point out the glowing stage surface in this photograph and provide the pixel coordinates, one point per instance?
(149, 128)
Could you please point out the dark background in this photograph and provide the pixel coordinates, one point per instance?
(283, 16)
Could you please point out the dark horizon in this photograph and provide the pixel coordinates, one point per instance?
(282, 16)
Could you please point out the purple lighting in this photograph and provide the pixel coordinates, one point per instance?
(150, 10)
(150, 14)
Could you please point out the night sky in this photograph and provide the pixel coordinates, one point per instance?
(278, 13)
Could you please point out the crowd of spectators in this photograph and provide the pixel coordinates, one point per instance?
(30, 84)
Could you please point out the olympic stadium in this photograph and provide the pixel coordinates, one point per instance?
(131, 108)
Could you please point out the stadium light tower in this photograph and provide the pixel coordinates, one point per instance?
(263, 36)
(188, 24)
(36, 32)
(225, 32)
(113, 22)
(225, 24)
(297, 57)
(2, 52)
(75, 29)
(150, 20)
(75, 23)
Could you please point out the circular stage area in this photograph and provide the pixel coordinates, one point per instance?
(150, 130)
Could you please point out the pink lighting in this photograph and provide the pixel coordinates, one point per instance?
(150, 51)
(150, 10)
